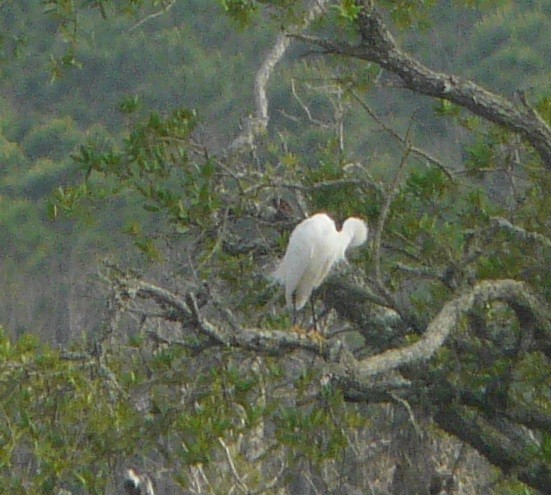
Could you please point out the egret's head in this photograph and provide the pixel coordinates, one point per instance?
(357, 231)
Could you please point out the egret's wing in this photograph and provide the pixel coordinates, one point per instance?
(297, 261)
(298, 258)
(320, 237)
(309, 256)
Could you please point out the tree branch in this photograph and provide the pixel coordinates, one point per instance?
(162, 11)
(378, 46)
(506, 456)
(258, 122)
(514, 293)
(521, 233)
(341, 363)
(375, 378)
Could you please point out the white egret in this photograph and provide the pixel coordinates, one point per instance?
(314, 247)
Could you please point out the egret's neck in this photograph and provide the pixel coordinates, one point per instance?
(344, 238)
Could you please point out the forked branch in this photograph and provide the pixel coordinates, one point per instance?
(530, 310)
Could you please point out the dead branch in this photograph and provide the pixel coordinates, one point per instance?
(258, 121)
(391, 132)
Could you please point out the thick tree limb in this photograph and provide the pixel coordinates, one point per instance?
(520, 233)
(376, 377)
(530, 311)
(514, 293)
(507, 456)
(378, 46)
(188, 313)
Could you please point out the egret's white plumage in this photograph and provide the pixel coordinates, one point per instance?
(314, 247)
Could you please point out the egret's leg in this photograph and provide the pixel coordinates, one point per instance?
(294, 311)
(314, 319)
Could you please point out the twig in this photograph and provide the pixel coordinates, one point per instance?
(219, 240)
(409, 410)
(306, 109)
(392, 193)
(419, 271)
(414, 149)
(240, 483)
(273, 482)
(164, 10)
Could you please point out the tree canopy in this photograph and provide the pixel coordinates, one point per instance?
(185, 140)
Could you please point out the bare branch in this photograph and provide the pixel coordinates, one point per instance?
(305, 108)
(389, 130)
(162, 11)
(240, 483)
(258, 122)
(520, 233)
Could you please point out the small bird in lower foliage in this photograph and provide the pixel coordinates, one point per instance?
(136, 483)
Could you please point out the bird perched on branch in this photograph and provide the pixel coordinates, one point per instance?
(314, 247)
(136, 483)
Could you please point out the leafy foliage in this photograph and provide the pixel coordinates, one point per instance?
(473, 207)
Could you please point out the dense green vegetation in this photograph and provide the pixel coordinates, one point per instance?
(114, 143)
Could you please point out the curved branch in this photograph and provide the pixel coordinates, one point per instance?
(258, 122)
(527, 306)
(529, 309)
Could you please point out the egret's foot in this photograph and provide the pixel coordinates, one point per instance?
(316, 336)
(312, 333)
(298, 329)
